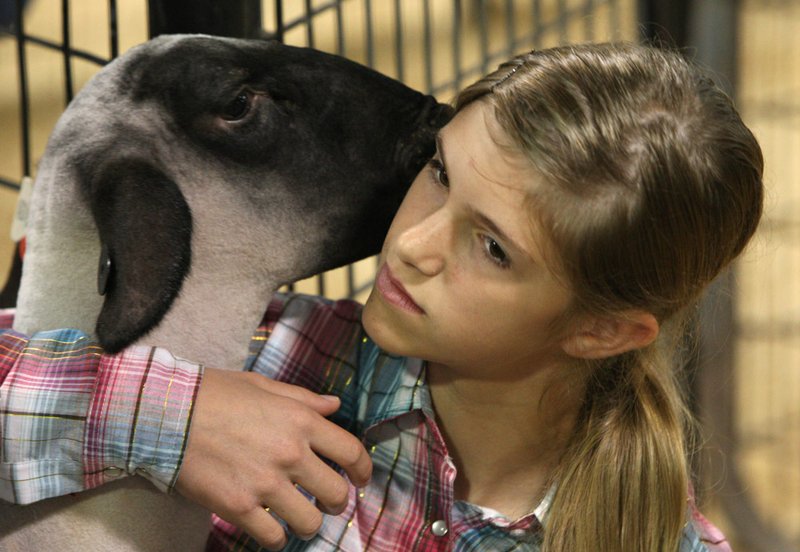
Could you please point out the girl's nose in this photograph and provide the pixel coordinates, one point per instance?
(425, 245)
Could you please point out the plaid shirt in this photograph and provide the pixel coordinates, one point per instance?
(313, 342)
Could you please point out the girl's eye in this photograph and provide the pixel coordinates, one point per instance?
(238, 107)
(495, 252)
(439, 173)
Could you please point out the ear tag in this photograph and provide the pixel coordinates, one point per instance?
(103, 270)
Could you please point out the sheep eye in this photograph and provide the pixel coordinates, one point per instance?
(239, 107)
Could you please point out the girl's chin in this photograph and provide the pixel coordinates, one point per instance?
(381, 330)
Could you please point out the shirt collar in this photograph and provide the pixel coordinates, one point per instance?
(397, 385)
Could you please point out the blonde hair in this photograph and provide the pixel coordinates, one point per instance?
(652, 186)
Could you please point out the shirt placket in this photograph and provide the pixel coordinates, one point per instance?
(437, 533)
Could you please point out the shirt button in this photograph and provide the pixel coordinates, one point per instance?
(113, 471)
(439, 528)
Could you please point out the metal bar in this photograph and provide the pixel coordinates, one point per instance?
(368, 33)
(24, 99)
(65, 42)
(9, 184)
(309, 24)
(613, 8)
(113, 29)
(511, 29)
(81, 54)
(350, 274)
(427, 37)
(320, 284)
(588, 9)
(398, 40)
(562, 21)
(280, 29)
(8, 295)
(537, 23)
(459, 75)
(339, 28)
(483, 35)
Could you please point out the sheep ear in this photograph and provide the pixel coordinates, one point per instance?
(145, 228)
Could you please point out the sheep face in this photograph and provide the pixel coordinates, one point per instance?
(221, 160)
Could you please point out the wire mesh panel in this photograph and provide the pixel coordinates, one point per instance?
(49, 48)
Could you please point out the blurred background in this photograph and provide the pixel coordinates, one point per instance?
(744, 377)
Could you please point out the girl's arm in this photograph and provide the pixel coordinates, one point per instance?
(72, 417)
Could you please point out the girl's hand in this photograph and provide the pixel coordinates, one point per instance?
(252, 439)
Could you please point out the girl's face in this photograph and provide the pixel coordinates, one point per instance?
(462, 280)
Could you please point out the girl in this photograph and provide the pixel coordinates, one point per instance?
(579, 201)
(511, 375)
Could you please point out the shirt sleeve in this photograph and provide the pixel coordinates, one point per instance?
(73, 417)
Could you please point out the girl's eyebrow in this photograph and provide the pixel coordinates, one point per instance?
(497, 232)
(483, 220)
(478, 216)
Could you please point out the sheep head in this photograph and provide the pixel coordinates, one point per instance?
(199, 174)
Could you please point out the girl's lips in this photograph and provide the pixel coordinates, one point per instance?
(393, 291)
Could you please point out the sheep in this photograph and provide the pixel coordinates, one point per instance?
(184, 184)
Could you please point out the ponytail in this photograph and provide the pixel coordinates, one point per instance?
(623, 482)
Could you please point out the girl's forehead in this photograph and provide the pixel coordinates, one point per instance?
(474, 138)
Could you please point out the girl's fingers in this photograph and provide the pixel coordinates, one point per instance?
(329, 488)
(300, 514)
(337, 444)
(259, 524)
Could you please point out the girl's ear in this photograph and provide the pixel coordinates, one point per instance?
(596, 337)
